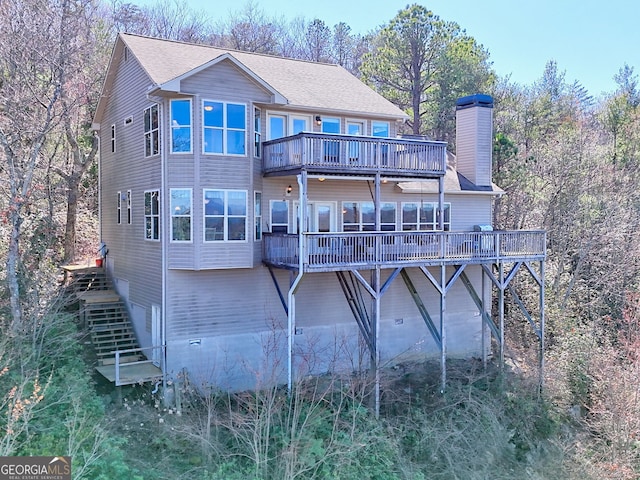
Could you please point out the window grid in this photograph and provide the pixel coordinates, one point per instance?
(152, 215)
(151, 131)
(224, 128)
(113, 138)
(361, 216)
(427, 218)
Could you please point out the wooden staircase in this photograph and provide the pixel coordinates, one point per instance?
(104, 315)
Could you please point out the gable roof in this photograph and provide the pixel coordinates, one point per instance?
(297, 83)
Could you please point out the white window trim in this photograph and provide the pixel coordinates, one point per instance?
(129, 211)
(171, 127)
(271, 202)
(225, 216)
(360, 121)
(152, 130)
(360, 223)
(152, 216)
(435, 224)
(172, 216)
(388, 124)
(257, 134)
(225, 129)
(119, 209)
(257, 216)
(113, 138)
(289, 118)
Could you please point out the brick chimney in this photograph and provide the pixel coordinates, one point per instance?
(474, 138)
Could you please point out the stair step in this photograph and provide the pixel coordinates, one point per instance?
(104, 315)
(113, 330)
(112, 336)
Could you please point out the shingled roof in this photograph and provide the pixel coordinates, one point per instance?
(302, 84)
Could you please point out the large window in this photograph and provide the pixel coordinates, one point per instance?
(225, 215)
(424, 216)
(224, 128)
(361, 216)
(151, 131)
(181, 126)
(181, 209)
(257, 214)
(152, 215)
(279, 216)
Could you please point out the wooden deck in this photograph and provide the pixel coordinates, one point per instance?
(354, 155)
(367, 250)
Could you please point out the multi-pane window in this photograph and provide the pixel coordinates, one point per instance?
(281, 125)
(129, 207)
(181, 126)
(119, 209)
(224, 128)
(279, 216)
(257, 133)
(257, 214)
(151, 131)
(181, 209)
(424, 216)
(113, 138)
(152, 215)
(361, 216)
(225, 215)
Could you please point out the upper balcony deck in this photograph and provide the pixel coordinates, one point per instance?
(366, 250)
(321, 153)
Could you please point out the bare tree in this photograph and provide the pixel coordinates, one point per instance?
(30, 89)
(251, 30)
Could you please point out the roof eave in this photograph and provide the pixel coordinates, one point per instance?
(175, 85)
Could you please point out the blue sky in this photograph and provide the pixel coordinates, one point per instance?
(590, 40)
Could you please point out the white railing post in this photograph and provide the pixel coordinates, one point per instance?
(117, 365)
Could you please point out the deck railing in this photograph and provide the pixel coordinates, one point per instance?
(355, 154)
(343, 250)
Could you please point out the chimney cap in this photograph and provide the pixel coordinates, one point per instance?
(477, 100)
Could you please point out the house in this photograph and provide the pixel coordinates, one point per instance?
(264, 220)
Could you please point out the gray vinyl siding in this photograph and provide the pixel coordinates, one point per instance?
(131, 257)
(474, 137)
(226, 83)
(467, 210)
(234, 321)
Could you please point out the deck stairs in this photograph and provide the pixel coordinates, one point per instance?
(104, 315)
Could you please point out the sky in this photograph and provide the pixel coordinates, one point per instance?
(589, 40)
